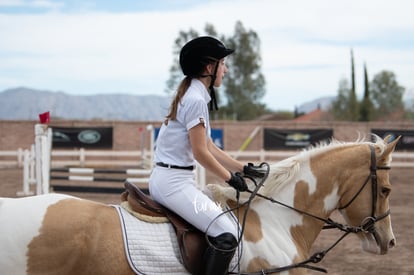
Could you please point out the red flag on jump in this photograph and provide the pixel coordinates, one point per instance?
(45, 118)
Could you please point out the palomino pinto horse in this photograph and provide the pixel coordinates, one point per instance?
(59, 234)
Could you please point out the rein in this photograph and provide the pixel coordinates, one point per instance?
(366, 226)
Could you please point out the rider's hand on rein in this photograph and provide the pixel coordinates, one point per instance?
(237, 182)
(255, 171)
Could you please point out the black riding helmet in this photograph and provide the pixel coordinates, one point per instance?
(197, 53)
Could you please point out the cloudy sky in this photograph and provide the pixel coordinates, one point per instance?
(103, 46)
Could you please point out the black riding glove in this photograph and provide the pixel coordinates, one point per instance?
(237, 182)
(254, 171)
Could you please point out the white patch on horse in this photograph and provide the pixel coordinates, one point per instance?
(22, 221)
(331, 200)
(276, 245)
(308, 177)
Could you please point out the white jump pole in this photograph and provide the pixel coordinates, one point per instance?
(47, 151)
(39, 129)
(28, 171)
(32, 165)
(150, 128)
(43, 143)
(27, 168)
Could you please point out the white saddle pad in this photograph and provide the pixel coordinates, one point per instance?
(152, 248)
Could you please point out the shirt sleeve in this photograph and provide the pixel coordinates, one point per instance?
(197, 111)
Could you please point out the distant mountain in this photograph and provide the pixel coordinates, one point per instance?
(27, 104)
(323, 103)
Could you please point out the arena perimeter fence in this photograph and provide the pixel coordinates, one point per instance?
(39, 167)
(41, 164)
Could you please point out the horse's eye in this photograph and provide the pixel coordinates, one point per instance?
(385, 191)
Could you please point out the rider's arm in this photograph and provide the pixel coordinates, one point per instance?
(226, 160)
(203, 155)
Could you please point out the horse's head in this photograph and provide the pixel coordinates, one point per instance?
(365, 204)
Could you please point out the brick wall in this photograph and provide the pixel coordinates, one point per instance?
(126, 135)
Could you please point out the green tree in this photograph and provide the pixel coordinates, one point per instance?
(366, 108)
(387, 95)
(353, 101)
(382, 98)
(243, 84)
(346, 106)
(340, 106)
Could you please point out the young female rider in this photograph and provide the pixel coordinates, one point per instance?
(184, 138)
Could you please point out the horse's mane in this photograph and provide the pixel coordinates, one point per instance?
(284, 171)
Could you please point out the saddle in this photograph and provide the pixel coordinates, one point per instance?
(191, 241)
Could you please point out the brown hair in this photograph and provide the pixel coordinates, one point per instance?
(182, 88)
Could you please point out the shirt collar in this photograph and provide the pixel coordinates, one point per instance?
(201, 88)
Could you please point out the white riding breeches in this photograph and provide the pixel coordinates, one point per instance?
(176, 189)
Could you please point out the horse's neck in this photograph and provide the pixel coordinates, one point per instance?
(284, 235)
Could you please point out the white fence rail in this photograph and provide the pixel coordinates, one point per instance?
(38, 162)
(11, 158)
(98, 158)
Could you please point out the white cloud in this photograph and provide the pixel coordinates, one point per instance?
(51, 5)
(305, 45)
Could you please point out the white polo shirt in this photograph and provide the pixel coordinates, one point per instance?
(173, 142)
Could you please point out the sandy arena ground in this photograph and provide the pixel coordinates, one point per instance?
(347, 257)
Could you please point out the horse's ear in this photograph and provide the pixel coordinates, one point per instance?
(387, 138)
(390, 146)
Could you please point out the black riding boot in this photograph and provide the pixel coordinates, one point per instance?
(216, 261)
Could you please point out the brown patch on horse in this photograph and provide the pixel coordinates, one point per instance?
(258, 263)
(78, 237)
(338, 156)
(253, 232)
(312, 203)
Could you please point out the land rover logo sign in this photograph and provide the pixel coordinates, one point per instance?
(89, 136)
(60, 137)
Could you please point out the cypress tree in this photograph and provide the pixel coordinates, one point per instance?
(365, 112)
(353, 102)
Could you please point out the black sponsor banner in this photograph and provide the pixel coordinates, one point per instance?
(407, 137)
(85, 137)
(276, 139)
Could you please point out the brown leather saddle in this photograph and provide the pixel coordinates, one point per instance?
(191, 241)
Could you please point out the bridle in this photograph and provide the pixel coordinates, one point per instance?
(368, 223)
(366, 226)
